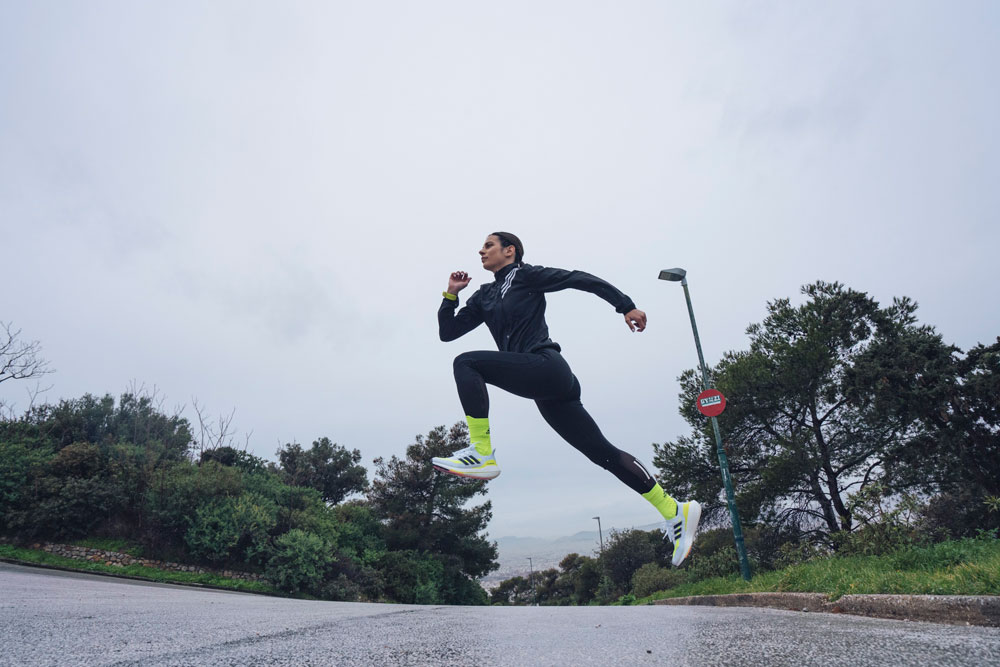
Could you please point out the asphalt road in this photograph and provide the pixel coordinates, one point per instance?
(57, 618)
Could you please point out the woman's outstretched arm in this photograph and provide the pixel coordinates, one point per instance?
(452, 324)
(547, 279)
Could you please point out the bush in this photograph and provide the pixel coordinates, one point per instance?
(607, 592)
(65, 495)
(884, 524)
(232, 529)
(513, 591)
(625, 553)
(586, 580)
(764, 543)
(342, 588)
(411, 577)
(17, 466)
(300, 561)
(796, 553)
(176, 489)
(651, 578)
(722, 563)
(458, 588)
(956, 515)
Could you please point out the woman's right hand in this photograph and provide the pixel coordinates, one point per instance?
(458, 281)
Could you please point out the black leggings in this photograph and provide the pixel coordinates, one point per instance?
(545, 377)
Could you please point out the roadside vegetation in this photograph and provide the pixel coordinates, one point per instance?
(965, 566)
(36, 557)
(864, 450)
(858, 441)
(969, 566)
(123, 476)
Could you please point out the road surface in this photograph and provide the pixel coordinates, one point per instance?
(58, 618)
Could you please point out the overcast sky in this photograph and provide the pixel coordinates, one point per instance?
(257, 204)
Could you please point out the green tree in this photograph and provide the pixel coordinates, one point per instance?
(549, 590)
(71, 495)
(91, 463)
(959, 451)
(628, 550)
(424, 511)
(236, 458)
(805, 424)
(574, 582)
(513, 591)
(331, 469)
(956, 455)
(134, 419)
(583, 575)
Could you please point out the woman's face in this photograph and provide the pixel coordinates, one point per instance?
(494, 256)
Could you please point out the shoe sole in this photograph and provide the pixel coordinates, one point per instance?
(485, 476)
(690, 529)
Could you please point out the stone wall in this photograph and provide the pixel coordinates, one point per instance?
(117, 559)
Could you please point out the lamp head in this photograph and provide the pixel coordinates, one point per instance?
(673, 275)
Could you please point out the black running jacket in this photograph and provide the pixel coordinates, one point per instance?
(513, 306)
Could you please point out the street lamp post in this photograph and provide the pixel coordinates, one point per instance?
(600, 532)
(531, 578)
(674, 275)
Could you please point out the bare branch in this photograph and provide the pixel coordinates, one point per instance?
(33, 394)
(19, 360)
(217, 434)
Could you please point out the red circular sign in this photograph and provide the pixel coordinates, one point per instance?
(711, 402)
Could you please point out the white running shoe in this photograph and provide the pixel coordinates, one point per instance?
(682, 528)
(469, 463)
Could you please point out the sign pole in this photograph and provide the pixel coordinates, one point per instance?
(717, 406)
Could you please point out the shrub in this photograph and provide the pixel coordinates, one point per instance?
(764, 542)
(625, 553)
(411, 577)
(458, 588)
(19, 465)
(796, 553)
(65, 495)
(178, 488)
(722, 563)
(651, 578)
(885, 523)
(958, 514)
(341, 588)
(300, 561)
(586, 580)
(232, 529)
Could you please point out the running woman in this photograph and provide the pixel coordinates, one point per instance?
(529, 364)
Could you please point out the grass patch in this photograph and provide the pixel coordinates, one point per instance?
(960, 567)
(36, 557)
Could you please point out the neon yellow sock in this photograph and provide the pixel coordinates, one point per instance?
(661, 501)
(479, 434)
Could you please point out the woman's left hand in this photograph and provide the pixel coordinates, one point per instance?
(635, 319)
